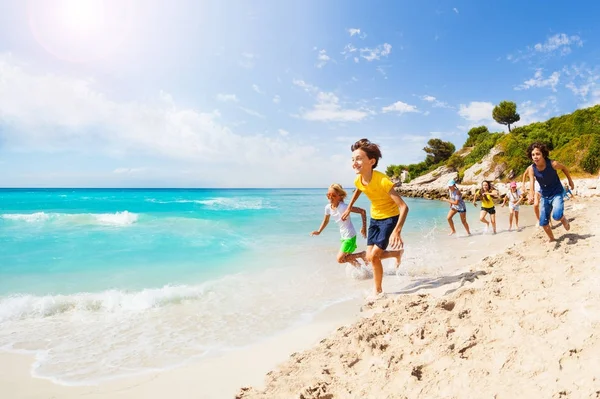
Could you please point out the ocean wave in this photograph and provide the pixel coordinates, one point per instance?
(221, 203)
(124, 218)
(19, 307)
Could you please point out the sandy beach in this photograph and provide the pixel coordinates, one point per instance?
(519, 323)
(523, 325)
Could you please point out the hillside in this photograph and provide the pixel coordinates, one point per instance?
(574, 140)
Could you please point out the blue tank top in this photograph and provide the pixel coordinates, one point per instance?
(548, 179)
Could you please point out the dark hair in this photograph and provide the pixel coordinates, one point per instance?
(371, 149)
(540, 146)
(489, 185)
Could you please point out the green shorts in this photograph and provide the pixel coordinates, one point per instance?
(348, 245)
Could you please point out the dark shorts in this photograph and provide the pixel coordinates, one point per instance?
(380, 231)
(491, 210)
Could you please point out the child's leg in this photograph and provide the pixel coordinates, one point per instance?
(517, 219)
(545, 211)
(451, 214)
(558, 207)
(463, 219)
(393, 254)
(350, 258)
(510, 219)
(374, 256)
(483, 219)
(493, 220)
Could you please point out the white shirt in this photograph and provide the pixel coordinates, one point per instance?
(346, 227)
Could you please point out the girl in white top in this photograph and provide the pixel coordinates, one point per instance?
(514, 199)
(336, 208)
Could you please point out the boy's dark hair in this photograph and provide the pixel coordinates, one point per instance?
(371, 149)
(540, 146)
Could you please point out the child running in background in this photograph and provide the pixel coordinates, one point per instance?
(487, 194)
(457, 205)
(543, 169)
(335, 208)
(514, 199)
(388, 209)
(568, 192)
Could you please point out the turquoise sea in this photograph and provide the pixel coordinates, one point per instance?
(103, 283)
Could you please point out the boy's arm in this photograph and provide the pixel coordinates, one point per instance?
(396, 237)
(323, 225)
(525, 175)
(355, 196)
(363, 215)
(558, 165)
(531, 185)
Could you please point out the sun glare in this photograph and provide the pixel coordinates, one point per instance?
(82, 16)
(80, 30)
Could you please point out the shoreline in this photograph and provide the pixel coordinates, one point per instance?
(523, 324)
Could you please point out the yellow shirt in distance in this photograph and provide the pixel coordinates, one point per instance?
(382, 205)
(486, 200)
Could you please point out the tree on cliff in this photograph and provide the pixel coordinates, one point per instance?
(505, 113)
(438, 151)
(475, 135)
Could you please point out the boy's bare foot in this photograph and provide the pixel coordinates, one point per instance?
(399, 258)
(451, 233)
(566, 223)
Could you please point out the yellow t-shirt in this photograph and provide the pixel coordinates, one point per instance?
(382, 205)
(486, 200)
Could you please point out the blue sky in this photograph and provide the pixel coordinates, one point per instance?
(224, 93)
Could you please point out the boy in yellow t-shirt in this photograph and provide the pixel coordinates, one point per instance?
(388, 209)
(487, 194)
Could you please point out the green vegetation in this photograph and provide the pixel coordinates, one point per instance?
(574, 140)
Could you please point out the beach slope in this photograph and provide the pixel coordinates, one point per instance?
(525, 323)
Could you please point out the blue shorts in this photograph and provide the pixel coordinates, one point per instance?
(554, 205)
(380, 231)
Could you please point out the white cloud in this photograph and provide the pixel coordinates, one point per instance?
(371, 54)
(248, 60)
(129, 171)
(49, 113)
(257, 89)
(560, 44)
(283, 132)
(306, 86)
(455, 10)
(328, 109)
(584, 82)
(531, 112)
(322, 59)
(227, 97)
(251, 112)
(477, 111)
(400, 107)
(276, 99)
(356, 32)
(539, 81)
(435, 102)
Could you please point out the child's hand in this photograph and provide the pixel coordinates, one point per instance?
(363, 232)
(315, 233)
(396, 241)
(346, 214)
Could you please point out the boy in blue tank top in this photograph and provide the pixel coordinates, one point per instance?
(543, 169)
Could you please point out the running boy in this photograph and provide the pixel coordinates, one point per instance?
(336, 207)
(388, 209)
(543, 169)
